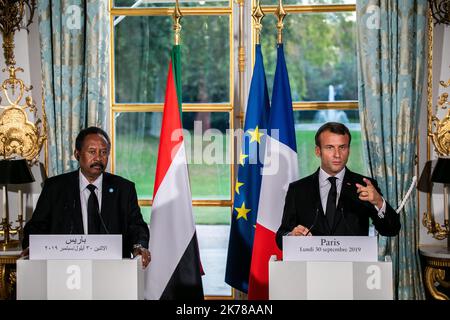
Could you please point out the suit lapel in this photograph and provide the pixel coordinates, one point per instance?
(347, 186)
(77, 218)
(108, 192)
(316, 194)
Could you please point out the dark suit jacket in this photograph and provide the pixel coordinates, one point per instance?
(303, 206)
(58, 210)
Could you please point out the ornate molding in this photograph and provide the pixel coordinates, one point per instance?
(11, 20)
(440, 128)
(18, 135)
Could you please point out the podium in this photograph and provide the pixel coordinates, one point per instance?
(329, 280)
(330, 268)
(80, 279)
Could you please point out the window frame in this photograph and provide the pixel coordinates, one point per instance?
(233, 107)
(228, 107)
(302, 9)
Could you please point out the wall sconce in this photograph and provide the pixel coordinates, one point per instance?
(441, 174)
(439, 131)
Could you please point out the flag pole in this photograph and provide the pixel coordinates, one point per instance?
(258, 15)
(175, 270)
(176, 53)
(177, 15)
(280, 13)
(248, 183)
(241, 68)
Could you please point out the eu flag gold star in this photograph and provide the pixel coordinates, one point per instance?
(242, 212)
(238, 185)
(255, 135)
(241, 158)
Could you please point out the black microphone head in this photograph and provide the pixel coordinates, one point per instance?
(314, 221)
(103, 223)
(345, 221)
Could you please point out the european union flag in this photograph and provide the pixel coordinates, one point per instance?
(281, 168)
(248, 182)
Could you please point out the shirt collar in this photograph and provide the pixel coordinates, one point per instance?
(323, 176)
(84, 182)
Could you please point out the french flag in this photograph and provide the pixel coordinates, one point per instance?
(280, 169)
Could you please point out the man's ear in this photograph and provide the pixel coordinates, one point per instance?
(317, 151)
(77, 155)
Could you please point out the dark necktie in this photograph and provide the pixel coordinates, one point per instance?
(93, 213)
(331, 202)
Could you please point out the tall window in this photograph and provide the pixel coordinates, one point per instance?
(320, 49)
(142, 38)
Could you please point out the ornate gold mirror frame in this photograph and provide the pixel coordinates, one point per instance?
(438, 133)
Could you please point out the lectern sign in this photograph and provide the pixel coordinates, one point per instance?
(76, 246)
(340, 248)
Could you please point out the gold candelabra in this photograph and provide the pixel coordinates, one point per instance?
(7, 230)
(19, 137)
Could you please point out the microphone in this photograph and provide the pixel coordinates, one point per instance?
(345, 221)
(314, 222)
(103, 223)
(71, 216)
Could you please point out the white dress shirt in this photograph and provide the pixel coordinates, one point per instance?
(84, 197)
(325, 186)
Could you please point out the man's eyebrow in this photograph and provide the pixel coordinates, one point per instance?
(333, 145)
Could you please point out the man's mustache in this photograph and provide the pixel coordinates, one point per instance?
(97, 164)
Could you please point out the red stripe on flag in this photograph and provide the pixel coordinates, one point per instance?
(171, 135)
(264, 246)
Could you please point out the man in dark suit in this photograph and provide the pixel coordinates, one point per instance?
(334, 201)
(90, 200)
